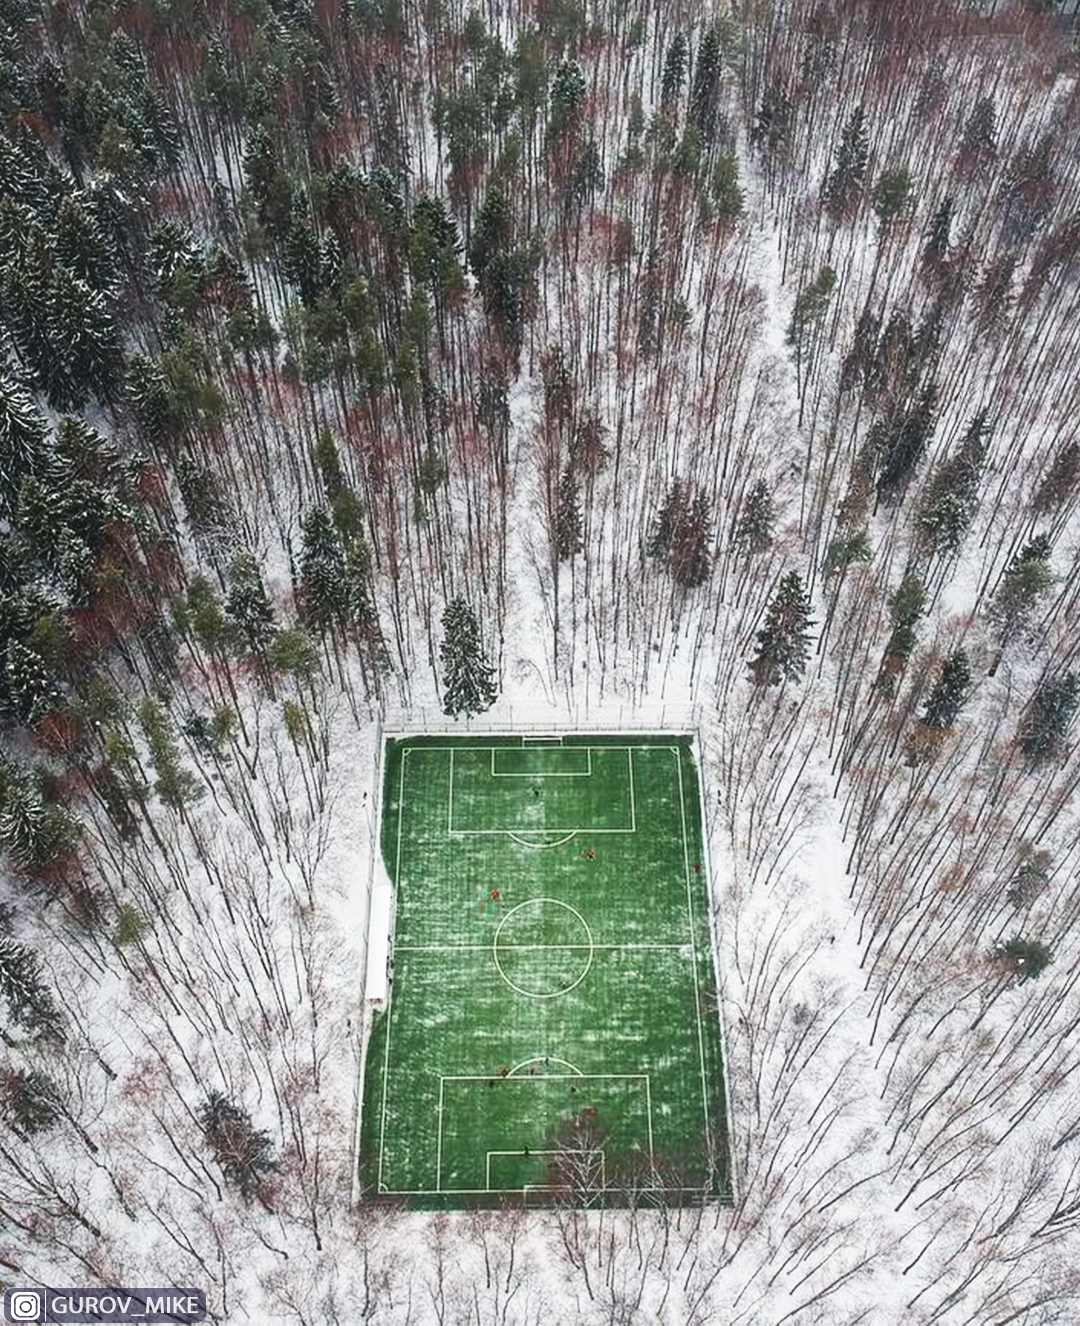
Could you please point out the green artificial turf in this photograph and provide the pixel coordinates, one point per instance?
(562, 1039)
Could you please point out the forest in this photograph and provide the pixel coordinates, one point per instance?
(371, 361)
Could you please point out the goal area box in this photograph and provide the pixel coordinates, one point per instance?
(551, 1031)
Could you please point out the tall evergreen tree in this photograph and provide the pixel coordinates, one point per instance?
(324, 592)
(674, 75)
(244, 1152)
(903, 443)
(1026, 581)
(784, 641)
(568, 516)
(30, 1004)
(938, 243)
(952, 496)
(23, 446)
(1057, 487)
(844, 184)
(979, 145)
(1045, 726)
(773, 123)
(468, 678)
(755, 528)
(893, 197)
(1027, 959)
(30, 1102)
(690, 558)
(87, 353)
(705, 89)
(906, 604)
(247, 604)
(949, 693)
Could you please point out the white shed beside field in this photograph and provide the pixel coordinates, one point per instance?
(380, 923)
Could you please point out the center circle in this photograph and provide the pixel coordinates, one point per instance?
(543, 948)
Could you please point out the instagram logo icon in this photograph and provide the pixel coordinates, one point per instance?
(23, 1305)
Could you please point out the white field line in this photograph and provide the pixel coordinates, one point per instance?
(390, 993)
(438, 1154)
(496, 1192)
(524, 842)
(487, 1077)
(470, 948)
(630, 771)
(693, 944)
(648, 1107)
(450, 798)
(546, 1077)
(443, 948)
(545, 1058)
(545, 1187)
(561, 749)
(521, 828)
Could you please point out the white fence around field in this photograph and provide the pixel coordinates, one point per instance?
(518, 720)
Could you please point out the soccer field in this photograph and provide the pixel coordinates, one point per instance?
(552, 1030)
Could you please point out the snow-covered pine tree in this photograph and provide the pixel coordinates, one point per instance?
(324, 588)
(30, 689)
(1026, 959)
(674, 75)
(773, 122)
(950, 692)
(979, 143)
(952, 496)
(244, 1152)
(568, 90)
(903, 444)
(30, 1102)
(30, 1004)
(86, 348)
(1024, 584)
(177, 787)
(938, 245)
(301, 254)
(1045, 726)
(81, 245)
(906, 605)
(690, 558)
(468, 678)
(755, 527)
(1058, 486)
(893, 197)
(809, 309)
(23, 446)
(844, 184)
(435, 247)
(209, 515)
(704, 107)
(943, 706)
(568, 516)
(247, 604)
(784, 641)
(667, 522)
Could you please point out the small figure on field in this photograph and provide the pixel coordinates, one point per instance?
(697, 867)
(495, 895)
(589, 854)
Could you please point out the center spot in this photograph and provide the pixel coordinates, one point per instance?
(543, 948)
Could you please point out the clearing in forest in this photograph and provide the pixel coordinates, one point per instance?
(552, 1030)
